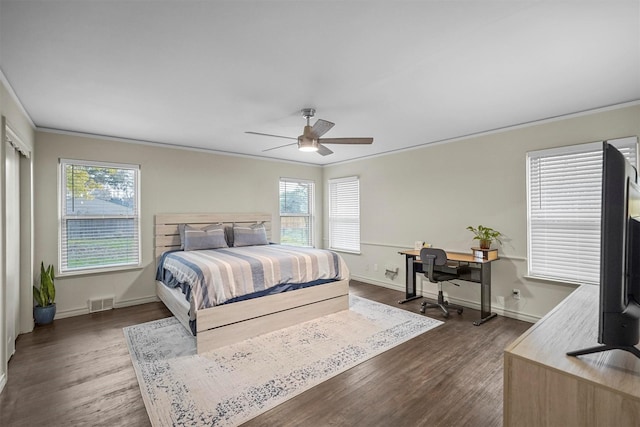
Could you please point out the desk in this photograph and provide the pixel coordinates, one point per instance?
(479, 271)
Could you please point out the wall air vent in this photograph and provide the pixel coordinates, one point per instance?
(102, 304)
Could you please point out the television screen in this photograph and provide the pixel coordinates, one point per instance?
(619, 308)
(633, 268)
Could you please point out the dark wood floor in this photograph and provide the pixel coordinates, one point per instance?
(77, 372)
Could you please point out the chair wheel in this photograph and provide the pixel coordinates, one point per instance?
(445, 315)
(459, 311)
(422, 309)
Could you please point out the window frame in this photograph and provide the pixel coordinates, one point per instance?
(62, 216)
(332, 220)
(536, 267)
(311, 209)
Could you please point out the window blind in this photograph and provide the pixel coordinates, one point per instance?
(296, 212)
(100, 216)
(564, 200)
(344, 214)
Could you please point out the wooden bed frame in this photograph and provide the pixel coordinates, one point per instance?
(226, 324)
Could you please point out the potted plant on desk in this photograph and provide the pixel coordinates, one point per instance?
(486, 235)
(45, 295)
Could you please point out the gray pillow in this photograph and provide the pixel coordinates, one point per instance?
(181, 231)
(210, 237)
(250, 236)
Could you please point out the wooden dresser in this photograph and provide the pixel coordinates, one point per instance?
(544, 387)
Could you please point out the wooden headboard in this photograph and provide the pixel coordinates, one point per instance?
(166, 225)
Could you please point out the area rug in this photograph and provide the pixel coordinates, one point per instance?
(233, 384)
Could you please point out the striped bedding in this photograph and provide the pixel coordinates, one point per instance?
(215, 276)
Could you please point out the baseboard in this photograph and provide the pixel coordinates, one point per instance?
(476, 306)
(136, 301)
(119, 304)
(394, 286)
(61, 314)
(463, 302)
(529, 318)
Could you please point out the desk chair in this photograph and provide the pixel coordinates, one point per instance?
(431, 259)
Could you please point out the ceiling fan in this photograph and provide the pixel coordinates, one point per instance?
(310, 139)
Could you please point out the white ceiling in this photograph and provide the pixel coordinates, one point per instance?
(407, 73)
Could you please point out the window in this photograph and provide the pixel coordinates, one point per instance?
(564, 197)
(344, 214)
(296, 212)
(99, 216)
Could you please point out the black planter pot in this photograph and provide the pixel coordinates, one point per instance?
(44, 315)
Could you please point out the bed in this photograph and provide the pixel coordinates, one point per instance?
(220, 325)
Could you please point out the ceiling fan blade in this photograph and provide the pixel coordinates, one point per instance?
(274, 136)
(324, 151)
(279, 146)
(321, 127)
(346, 140)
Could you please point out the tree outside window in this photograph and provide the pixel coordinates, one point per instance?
(296, 212)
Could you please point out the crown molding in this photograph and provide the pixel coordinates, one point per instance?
(15, 98)
(169, 145)
(497, 130)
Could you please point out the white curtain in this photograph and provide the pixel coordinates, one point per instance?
(12, 254)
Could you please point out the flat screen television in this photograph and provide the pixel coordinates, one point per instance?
(619, 308)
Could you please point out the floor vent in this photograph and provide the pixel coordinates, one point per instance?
(100, 304)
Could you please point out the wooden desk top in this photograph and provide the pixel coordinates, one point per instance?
(451, 256)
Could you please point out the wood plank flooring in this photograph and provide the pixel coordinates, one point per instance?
(77, 372)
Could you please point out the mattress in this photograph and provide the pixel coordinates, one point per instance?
(218, 276)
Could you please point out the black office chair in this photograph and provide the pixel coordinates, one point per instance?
(432, 257)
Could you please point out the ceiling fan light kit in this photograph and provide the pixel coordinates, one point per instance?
(310, 139)
(305, 144)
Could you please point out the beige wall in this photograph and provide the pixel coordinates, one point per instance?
(434, 193)
(430, 194)
(172, 180)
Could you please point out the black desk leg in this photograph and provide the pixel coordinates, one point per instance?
(410, 280)
(485, 295)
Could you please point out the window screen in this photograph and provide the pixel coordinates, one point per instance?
(296, 212)
(564, 198)
(100, 216)
(344, 214)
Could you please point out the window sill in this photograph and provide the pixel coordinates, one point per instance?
(94, 271)
(557, 281)
(345, 251)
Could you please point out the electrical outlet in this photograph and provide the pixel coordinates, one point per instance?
(366, 267)
(375, 267)
(516, 294)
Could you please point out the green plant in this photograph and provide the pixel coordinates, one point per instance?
(45, 295)
(485, 234)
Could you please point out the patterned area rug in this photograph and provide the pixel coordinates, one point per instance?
(233, 384)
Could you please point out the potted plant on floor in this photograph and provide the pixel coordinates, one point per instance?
(45, 296)
(486, 235)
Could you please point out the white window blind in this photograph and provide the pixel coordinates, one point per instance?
(564, 201)
(296, 212)
(99, 216)
(344, 214)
